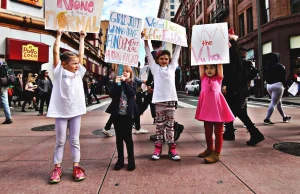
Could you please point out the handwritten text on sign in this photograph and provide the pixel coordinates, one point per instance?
(210, 44)
(73, 15)
(123, 39)
(164, 30)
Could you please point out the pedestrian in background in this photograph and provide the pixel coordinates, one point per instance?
(275, 76)
(93, 85)
(67, 104)
(122, 109)
(213, 110)
(45, 89)
(19, 87)
(29, 93)
(4, 97)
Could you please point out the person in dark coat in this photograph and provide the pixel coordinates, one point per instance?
(45, 88)
(235, 91)
(122, 109)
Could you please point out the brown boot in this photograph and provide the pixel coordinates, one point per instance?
(212, 158)
(205, 153)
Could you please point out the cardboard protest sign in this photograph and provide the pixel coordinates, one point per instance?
(209, 44)
(123, 39)
(164, 30)
(73, 16)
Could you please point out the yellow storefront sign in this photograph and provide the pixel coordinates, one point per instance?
(30, 52)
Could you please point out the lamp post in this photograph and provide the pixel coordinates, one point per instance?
(259, 50)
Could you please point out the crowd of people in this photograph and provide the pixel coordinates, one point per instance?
(223, 96)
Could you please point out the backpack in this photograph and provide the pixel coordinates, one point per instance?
(7, 76)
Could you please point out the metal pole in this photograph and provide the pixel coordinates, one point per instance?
(259, 50)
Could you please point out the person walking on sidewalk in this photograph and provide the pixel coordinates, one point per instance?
(213, 110)
(235, 91)
(122, 109)
(45, 89)
(29, 93)
(275, 76)
(67, 104)
(164, 97)
(4, 98)
(93, 85)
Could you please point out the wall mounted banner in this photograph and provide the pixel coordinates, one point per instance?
(123, 39)
(73, 16)
(36, 3)
(210, 44)
(164, 30)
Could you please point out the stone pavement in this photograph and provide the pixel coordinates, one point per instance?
(26, 159)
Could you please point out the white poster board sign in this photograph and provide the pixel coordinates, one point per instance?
(293, 89)
(209, 44)
(164, 30)
(123, 39)
(73, 16)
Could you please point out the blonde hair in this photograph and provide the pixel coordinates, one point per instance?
(126, 68)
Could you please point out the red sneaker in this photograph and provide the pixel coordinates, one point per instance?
(78, 173)
(55, 175)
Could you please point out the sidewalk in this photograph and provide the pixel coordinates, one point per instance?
(26, 158)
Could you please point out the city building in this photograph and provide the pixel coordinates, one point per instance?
(280, 24)
(27, 47)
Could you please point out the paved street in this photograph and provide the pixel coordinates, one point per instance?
(26, 157)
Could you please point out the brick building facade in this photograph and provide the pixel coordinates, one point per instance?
(280, 24)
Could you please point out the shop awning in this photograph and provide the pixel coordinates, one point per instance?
(26, 50)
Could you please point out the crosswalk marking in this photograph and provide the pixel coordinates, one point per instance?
(185, 105)
(90, 108)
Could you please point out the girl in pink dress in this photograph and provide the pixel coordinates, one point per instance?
(213, 110)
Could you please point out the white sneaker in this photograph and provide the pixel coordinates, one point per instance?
(107, 133)
(141, 131)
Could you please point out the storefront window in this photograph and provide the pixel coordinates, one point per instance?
(295, 6)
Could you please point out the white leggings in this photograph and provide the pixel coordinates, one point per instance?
(276, 91)
(61, 137)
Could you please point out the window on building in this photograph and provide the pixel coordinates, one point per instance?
(265, 11)
(249, 20)
(172, 6)
(172, 13)
(199, 8)
(241, 25)
(295, 6)
(171, 1)
(209, 2)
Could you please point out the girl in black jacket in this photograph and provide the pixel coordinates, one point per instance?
(123, 108)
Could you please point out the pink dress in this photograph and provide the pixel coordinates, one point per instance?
(212, 105)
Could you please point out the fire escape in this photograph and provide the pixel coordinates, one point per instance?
(222, 10)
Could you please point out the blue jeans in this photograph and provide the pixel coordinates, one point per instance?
(4, 101)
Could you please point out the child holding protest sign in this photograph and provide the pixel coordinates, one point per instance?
(164, 97)
(67, 104)
(213, 110)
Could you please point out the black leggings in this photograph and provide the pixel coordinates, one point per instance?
(123, 129)
(44, 97)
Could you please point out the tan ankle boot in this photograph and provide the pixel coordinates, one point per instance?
(205, 153)
(212, 158)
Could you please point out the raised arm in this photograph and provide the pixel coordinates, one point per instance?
(220, 70)
(175, 56)
(56, 47)
(81, 47)
(201, 70)
(148, 52)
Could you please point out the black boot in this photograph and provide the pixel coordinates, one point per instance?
(119, 164)
(229, 135)
(255, 136)
(178, 128)
(131, 163)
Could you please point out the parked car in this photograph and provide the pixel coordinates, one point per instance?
(192, 87)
